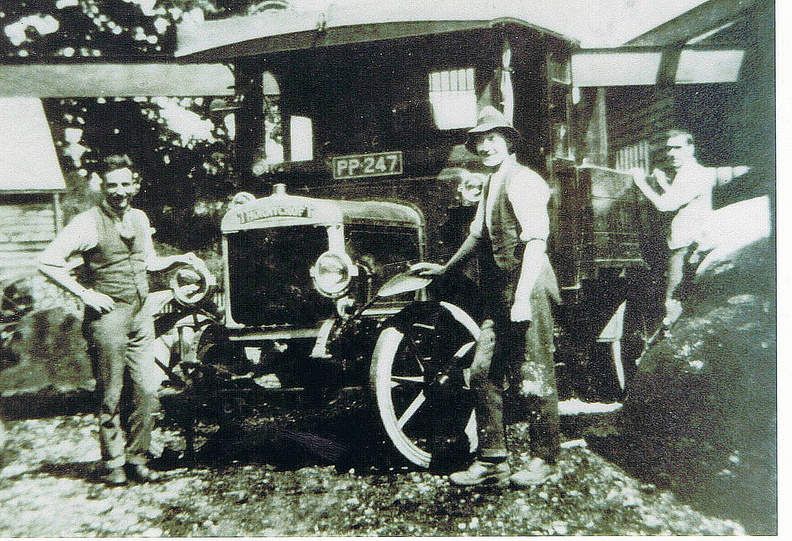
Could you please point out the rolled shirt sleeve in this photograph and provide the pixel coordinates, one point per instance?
(691, 182)
(477, 225)
(529, 195)
(79, 236)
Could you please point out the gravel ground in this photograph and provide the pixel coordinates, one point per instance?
(48, 488)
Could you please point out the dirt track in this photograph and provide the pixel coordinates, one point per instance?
(47, 488)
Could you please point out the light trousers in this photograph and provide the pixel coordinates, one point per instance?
(119, 345)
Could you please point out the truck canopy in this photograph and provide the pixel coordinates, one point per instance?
(605, 23)
(289, 30)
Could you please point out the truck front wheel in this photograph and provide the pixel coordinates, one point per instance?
(417, 380)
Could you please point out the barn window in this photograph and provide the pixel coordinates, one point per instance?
(452, 95)
(301, 136)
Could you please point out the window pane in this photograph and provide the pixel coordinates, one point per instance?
(452, 95)
(301, 138)
(709, 66)
(615, 69)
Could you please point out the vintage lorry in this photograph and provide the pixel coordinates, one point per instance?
(350, 153)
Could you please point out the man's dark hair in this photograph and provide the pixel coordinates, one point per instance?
(677, 132)
(117, 161)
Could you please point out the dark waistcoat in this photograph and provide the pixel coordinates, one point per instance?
(507, 247)
(117, 266)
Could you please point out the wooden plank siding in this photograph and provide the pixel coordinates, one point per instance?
(27, 225)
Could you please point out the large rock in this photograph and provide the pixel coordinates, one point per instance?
(700, 414)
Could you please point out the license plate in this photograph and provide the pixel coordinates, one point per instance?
(368, 165)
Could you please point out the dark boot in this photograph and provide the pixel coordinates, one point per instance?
(142, 474)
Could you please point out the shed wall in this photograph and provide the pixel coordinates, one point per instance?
(27, 225)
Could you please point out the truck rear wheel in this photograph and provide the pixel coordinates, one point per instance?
(417, 364)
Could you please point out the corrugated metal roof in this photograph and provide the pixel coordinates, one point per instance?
(28, 163)
(591, 23)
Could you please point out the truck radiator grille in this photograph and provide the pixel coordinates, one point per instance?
(269, 280)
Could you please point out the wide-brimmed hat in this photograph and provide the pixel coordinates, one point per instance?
(490, 119)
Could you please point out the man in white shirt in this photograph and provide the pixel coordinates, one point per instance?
(115, 243)
(689, 196)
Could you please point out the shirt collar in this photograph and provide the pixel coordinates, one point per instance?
(113, 213)
(505, 167)
(122, 221)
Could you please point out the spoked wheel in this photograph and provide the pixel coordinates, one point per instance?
(417, 379)
(16, 298)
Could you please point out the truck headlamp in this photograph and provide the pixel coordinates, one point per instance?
(332, 273)
(191, 284)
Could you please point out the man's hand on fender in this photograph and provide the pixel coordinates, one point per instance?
(191, 259)
(196, 262)
(428, 269)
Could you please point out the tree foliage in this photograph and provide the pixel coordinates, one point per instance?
(105, 28)
(181, 151)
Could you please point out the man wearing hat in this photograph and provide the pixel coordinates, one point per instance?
(510, 230)
(115, 243)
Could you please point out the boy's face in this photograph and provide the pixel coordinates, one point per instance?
(492, 148)
(119, 187)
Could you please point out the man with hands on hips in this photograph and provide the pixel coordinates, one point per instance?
(115, 243)
(510, 231)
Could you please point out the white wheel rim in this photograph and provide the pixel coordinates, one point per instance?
(384, 355)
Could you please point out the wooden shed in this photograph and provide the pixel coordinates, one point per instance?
(31, 184)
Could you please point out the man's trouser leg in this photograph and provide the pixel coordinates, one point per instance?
(676, 270)
(107, 346)
(537, 381)
(676, 274)
(534, 381)
(145, 379)
(488, 393)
